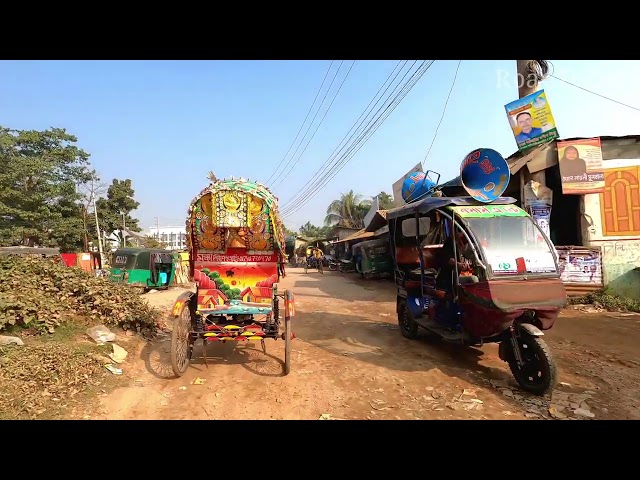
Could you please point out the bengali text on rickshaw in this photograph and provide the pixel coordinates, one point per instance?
(235, 258)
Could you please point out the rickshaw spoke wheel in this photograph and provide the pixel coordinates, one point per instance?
(181, 342)
(538, 375)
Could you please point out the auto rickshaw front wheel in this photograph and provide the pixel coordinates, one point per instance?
(408, 326)
(539, 373)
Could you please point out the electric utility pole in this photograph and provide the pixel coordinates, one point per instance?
(95, 211)
(530, 74)
(124, 227)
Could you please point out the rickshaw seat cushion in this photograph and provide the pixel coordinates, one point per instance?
(467, 279)
(409, 255)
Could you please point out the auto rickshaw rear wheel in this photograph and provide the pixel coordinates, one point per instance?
(539, 373)
(408, 326)
(181, 342)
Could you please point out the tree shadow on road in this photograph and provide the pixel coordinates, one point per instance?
(157, 358)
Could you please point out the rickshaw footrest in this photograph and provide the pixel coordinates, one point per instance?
(444, 332)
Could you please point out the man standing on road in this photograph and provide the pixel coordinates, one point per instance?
(317, 254)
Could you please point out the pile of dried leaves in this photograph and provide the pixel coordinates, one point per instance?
(42, 294)
(42, 378)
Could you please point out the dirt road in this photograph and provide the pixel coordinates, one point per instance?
(350, 362)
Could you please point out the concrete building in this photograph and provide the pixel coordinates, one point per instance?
(173, 237)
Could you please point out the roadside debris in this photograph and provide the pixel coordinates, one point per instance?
(6, 340)
(112, 369)
(119, 354)
(101, 334)
(198, 381)
(560, 406)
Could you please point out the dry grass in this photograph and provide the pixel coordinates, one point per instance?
(51, 377)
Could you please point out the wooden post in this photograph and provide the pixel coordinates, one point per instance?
(527, 84)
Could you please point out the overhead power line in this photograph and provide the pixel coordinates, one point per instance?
(363, 138)
(355, 125)
(303, 122)
(444, 110)
(320, 123)
(596, 93)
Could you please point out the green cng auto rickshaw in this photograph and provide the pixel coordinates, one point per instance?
(143, 268)
(376, 258)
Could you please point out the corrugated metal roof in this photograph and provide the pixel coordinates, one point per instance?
(359, 235)
(379, 220)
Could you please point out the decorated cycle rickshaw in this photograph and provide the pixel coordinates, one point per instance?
(235, 239)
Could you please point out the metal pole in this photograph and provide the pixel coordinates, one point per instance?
(95, 211)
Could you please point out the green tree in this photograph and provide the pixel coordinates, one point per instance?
(114, 211)
(39, 200)
(312, 232)
(348, 211)
(385, 201)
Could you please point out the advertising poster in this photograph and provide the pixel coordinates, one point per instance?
(531, 120)
(580, 164)
(580, 265)
(541, 214)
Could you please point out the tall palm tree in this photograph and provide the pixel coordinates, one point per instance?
(348, 211)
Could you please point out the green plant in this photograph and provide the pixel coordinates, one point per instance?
(607, 301)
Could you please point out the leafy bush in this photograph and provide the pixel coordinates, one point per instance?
(42, 294)
(607, 301)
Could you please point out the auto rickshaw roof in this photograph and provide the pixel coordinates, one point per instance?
(374, 242)
(137, 250)
(429, 204)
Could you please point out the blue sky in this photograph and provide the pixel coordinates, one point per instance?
(165, 124)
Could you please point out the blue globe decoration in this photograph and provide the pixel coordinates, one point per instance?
(416, 186)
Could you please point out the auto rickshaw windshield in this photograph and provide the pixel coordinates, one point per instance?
(504, 239)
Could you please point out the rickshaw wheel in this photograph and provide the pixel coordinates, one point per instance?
(408, 326)
(181, 342)
(287, 345)
(539, 373)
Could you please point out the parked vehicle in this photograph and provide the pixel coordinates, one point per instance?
(477, 269)
(144, 268)
(376, 261)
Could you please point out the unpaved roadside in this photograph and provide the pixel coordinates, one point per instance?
(350, 362)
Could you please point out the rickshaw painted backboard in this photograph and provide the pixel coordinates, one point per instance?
(236, 240)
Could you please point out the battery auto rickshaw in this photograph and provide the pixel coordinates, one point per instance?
(477, 269)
